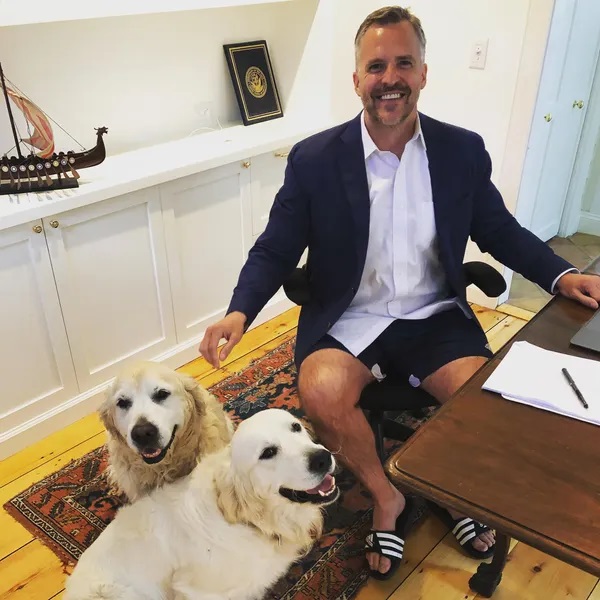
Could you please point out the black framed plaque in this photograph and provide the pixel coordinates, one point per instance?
(253, 81)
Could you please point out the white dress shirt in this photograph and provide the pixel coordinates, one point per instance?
(402, 276)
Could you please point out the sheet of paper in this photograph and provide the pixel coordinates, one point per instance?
(532, 375)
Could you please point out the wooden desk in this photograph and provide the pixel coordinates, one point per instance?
(528, 473)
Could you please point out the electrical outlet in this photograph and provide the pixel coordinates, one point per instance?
(478, 55)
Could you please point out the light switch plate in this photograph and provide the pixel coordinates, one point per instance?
(478, 54)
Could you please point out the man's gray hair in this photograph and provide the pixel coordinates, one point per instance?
(389, 15)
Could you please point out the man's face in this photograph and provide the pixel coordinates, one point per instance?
(390, 73)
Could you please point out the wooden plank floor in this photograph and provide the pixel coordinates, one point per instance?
(433, 569)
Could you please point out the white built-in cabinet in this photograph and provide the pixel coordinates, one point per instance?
(36, 367)
(111, 274)
(267, 174)
(207, 229)
(138, 276)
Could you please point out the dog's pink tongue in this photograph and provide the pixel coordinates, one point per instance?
(324, 486)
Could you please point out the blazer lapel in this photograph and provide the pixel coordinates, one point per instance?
(442, 186)
(351, 163)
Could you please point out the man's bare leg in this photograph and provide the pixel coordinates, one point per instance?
(442, 384)
(330, 383)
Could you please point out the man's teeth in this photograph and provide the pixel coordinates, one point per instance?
(395, 96)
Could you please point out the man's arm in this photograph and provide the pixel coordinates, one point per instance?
(272, 258)
(496, 231)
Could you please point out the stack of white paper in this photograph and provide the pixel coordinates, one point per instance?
(532, 375)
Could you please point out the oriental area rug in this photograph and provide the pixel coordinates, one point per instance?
(68, 509)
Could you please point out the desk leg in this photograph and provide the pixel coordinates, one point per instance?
(488, 576)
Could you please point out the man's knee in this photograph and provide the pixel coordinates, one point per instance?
(330, 380)
(444, 382)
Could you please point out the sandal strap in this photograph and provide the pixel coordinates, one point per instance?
(386, 543)
(466, 529)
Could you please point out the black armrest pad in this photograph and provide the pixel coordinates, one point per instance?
(485, 277)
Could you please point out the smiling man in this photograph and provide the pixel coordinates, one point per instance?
(385, 204)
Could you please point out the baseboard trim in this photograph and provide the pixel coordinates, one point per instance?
(80, 406)
(589, 223)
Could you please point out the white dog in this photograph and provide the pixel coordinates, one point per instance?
(228, 531)
(159, 424)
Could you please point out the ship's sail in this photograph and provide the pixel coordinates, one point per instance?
(42, 137)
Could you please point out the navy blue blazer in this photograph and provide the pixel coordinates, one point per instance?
(324, 204)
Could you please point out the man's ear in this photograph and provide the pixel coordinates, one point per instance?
(424, 76)
(356, 82)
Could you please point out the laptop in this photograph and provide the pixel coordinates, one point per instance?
(589, 334)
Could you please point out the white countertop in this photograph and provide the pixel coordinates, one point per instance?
(132, 171)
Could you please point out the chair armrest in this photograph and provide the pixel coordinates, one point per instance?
(296, 286)
(478, 273)
(485, 277)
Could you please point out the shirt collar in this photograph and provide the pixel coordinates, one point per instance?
(369, 145)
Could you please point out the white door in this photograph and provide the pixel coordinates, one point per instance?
(36, 369)
(567, 77)
(110, 266)
(208, 226)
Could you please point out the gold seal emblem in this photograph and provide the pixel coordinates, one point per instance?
(256, 82)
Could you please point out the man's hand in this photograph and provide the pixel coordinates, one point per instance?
(230, 328)
(583, 288)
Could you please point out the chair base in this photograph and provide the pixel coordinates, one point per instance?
(386, 428)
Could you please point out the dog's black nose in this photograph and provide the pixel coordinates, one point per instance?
(144, 434)
(319, 462)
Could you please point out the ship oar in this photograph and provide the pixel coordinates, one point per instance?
(10, 174)
(47, 165)
(75, 173)
(38, 172)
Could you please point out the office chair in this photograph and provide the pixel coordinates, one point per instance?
(380, 398)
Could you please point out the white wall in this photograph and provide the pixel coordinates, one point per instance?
(147, 77)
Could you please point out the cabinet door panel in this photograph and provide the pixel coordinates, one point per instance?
(110, 265)
(207, 226)
(35, 361)
(267, 175)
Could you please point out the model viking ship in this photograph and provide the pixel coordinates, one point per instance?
(45, 169)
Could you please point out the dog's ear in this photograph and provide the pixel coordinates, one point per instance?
(310, 429)
(197, 393)
(236, 498)
(228, 497)
(239, 502)
(107, 416)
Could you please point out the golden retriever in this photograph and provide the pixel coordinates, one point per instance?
(227, 531)
(159, 424)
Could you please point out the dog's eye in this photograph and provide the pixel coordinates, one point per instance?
(268, 452)
(124, 403)
(160, 395)
(296, 427)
